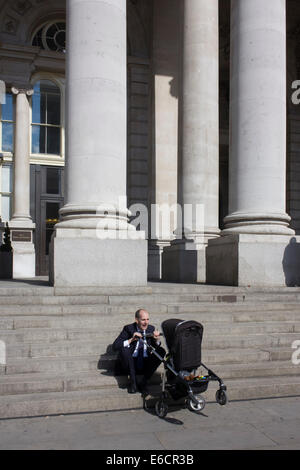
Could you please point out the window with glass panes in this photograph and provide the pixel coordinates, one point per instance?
(46, 118)
(7, 147)
(7, 124)
(6, 192)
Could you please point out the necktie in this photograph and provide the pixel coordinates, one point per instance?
(140, 357)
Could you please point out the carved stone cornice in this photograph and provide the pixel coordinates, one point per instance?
(18, 63)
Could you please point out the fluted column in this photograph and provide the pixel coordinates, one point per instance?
(257, 162)
(257, 247)
(96, 111)
(200, 119)
(21, 224)
(21, 208)
(199, 199)
(166, 41)
(94, 220)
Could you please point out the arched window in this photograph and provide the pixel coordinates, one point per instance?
(51, 36)
(46, 118)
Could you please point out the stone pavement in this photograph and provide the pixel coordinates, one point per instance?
(269, 424)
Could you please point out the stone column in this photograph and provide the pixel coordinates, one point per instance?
(21, 225)
(165, 67)
(185, 259)
(254, 250)
(93, 243)
(257, 167)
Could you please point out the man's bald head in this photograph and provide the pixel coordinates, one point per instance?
(138, 313)
(142, 318)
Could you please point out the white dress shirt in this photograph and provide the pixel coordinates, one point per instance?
(135, 352)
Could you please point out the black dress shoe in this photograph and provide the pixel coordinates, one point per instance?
(132, 388)
(143, 387)
(145, 391)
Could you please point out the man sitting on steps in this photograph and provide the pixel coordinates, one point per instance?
(134, 358)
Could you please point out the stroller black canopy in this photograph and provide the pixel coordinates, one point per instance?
(184, 339)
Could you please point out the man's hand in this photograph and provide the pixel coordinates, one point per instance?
(156, 335)
(135, 337)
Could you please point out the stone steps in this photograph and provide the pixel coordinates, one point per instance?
(70, 347)
(51, 327)
(12, 297)
(106, 399)
(59, 359)
(62, 364)
(88, 362)
(160, 287)
(30, 288)
(86, 380)
(93, 330)
(14, 315)
(42, 288)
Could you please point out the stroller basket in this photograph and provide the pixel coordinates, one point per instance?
(177, 389)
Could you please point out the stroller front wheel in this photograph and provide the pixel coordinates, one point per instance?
(192, 405)
(161, 408)
(221, 397)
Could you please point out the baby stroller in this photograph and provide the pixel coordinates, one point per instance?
(183, 339)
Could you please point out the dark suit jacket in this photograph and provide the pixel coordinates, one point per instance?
(128, 332)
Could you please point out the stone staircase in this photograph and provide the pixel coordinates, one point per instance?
(59, 360)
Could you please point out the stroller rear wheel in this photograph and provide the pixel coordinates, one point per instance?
(161, 408)
(221, 397)
(192, 405)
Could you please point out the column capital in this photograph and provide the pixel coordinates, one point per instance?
(25, 89)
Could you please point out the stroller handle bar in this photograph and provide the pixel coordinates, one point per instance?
(151, 335)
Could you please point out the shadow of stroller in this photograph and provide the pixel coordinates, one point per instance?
(151, 411)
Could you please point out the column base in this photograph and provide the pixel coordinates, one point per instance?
(254, 260)
(184, 262)
(94, 262)
(257, 224)
(21, 234)
(155, 252)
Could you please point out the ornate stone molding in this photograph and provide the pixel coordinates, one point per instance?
(10, 25)
(21, 6)
(14, 12)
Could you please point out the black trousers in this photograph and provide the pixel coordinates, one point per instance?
(129, 364)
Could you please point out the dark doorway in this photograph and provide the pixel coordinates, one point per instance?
(47, 197)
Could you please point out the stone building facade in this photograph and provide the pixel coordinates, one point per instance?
(151, 139)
